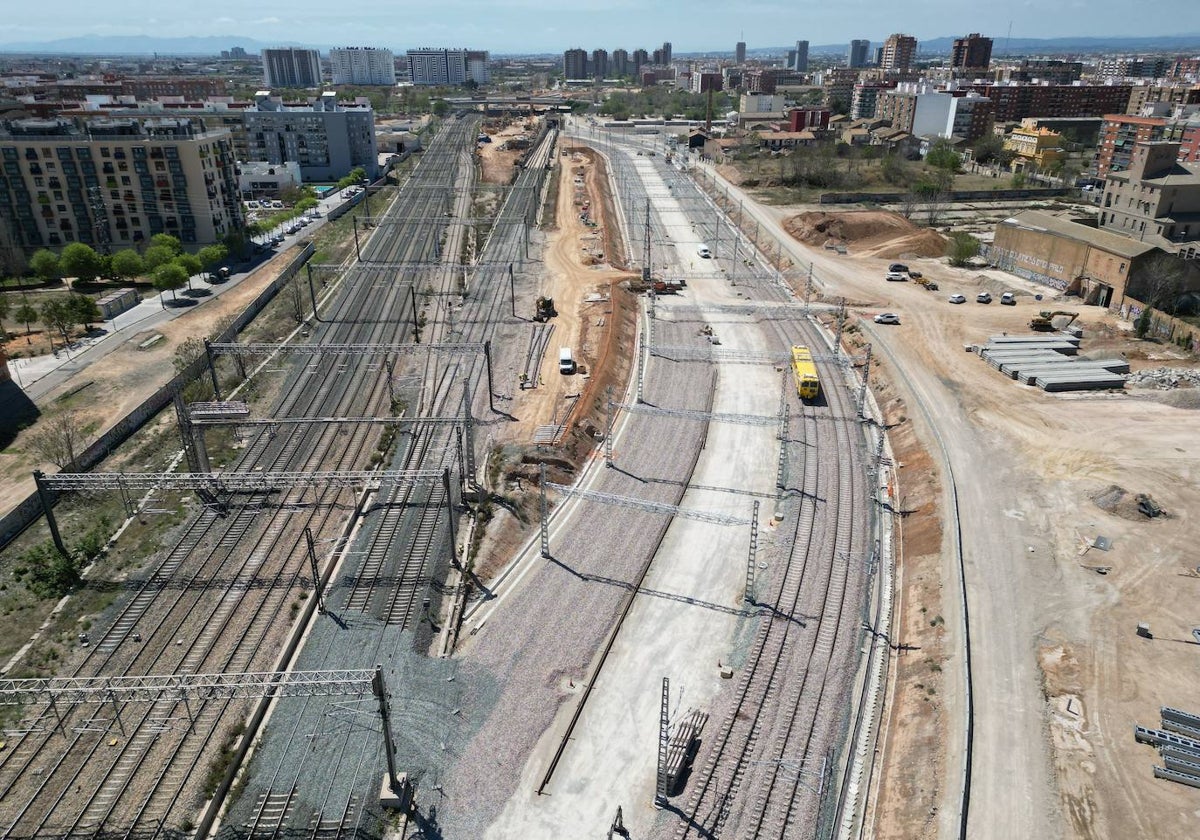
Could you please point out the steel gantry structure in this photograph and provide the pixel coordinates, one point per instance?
(185, 688)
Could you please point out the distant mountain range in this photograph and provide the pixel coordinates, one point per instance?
(138, 45)
(145, 45)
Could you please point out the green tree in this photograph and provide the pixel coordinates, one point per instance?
(988, 148)
(157, 255)
(83, 310)
(170, 277)
(5, 305)
(45, 264)
(191, 264)
(943, 156)
(211, 256)
(440, 108)
(1018, 180)
(127, 263)
(56, 317)
(1142, 325)
(27, 315)
(961, 248)
(81, 262)
(166, 240)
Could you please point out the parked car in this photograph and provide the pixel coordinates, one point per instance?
(957, 299)
(278, 205)
(887, 318)
(1008, 299)
(983, 297)
(900, 267)
(895, 276)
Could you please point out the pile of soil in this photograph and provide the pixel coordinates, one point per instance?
(868, 232)
(1119, 502)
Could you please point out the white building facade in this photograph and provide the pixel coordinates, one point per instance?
(362, 66)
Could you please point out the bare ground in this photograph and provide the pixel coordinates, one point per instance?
(1098, 676)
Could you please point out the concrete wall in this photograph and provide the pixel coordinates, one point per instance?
(1051, 260)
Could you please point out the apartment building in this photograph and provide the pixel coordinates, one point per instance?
(865, 99)
(1053, 71)
(858, 53)
(327, 138)
(362, 66)
(620, 63)
(798, 57)
(1156, 200)
(898, 52)
(969, 117)
(1120, 134)
(1143, 94)
(575, 64)
(116, 182)
(972, 53)
(1014, 102)
(919, 109)
(599, 65)
(837, 87)
(291, 67)
(428, 66)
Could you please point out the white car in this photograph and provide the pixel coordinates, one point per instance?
(895, 276)
(887, 318)
(957, 299)
(983, 297)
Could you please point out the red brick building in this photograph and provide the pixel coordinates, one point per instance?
(1013, 103)
(812, 119)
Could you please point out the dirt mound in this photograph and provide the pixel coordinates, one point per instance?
(869, 232)
(1119, 502)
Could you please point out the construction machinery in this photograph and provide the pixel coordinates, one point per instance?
(924, 281)
(544, 309)
(1044, 320)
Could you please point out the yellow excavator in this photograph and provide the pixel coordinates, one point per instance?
(1044, 321)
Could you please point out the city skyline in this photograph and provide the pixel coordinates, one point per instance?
(534, 26)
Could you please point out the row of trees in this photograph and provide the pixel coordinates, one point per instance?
(83, 262)
(169, 267)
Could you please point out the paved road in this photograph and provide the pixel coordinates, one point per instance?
(1012, 782)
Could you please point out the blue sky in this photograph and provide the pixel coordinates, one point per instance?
(553, 25)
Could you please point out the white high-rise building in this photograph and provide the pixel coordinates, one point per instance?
(437, 67)
(291, 67)
(362, 66)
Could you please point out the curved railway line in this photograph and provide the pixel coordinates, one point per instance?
(251, 563)
(763, 773)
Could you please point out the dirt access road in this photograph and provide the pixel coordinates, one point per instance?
(1059, 676)
(581, 282)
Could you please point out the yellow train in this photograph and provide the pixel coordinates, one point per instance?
(808, 384)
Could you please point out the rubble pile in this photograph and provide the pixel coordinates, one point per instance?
(1165, 378)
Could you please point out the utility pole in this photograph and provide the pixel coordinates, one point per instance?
(357, 249)
(316, 571)
(646, 247)
(664, 740)
(48, 509)
(544, 512)
(841, 323)
(862, 388)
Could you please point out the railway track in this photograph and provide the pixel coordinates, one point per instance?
(763, 771)
(414, 542)
(206, 533)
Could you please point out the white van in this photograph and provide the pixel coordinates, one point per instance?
(703, 251)
(566, 362)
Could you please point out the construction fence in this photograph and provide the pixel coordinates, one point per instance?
(27, 512)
